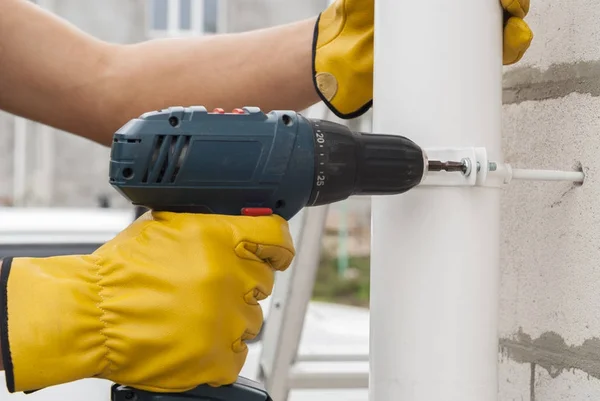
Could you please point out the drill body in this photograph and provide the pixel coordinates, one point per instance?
(248, 162)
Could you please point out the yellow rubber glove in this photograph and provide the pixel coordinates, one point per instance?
(343, 57)
(517, 34)
(164, 306)
(343, 52)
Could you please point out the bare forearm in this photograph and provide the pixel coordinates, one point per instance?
(54, 73)
(269, 68)
(49, 70)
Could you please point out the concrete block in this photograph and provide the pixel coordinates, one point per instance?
(569, 386)
(550, 256)
(565, 32)
(564, 56)
(513, 381)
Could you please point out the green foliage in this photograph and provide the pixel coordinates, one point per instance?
(351, 289)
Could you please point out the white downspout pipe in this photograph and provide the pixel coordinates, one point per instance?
(435, 250)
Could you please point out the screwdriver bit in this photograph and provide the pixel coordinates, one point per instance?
(437, 165)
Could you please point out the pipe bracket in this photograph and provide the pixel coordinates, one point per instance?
(480, 171)
(468, 178)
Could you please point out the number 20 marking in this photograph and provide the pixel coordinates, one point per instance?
(320, 137)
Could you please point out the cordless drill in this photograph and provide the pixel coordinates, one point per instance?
(246, 162)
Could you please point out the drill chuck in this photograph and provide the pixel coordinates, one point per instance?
(191, 160)
(352, 163)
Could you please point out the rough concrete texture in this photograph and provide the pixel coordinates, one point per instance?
(550, 281)
(550, 352)
(565, 32)
(564, 56)
(514, 379)
(530, 83)
(527, 382)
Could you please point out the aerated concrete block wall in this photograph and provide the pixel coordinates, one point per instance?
(550, 276)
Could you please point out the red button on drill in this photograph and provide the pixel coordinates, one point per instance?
(219, 110)
(238, 111)
(257, 211)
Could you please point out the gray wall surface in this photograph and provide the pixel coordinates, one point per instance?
(550, 278)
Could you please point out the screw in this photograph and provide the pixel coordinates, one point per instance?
(492, 166)
(174, 121)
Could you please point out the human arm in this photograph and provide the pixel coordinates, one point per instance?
(54, 73)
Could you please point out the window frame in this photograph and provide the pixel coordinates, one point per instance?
(173, 28)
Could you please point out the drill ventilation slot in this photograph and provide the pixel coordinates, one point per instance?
(168, 155)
